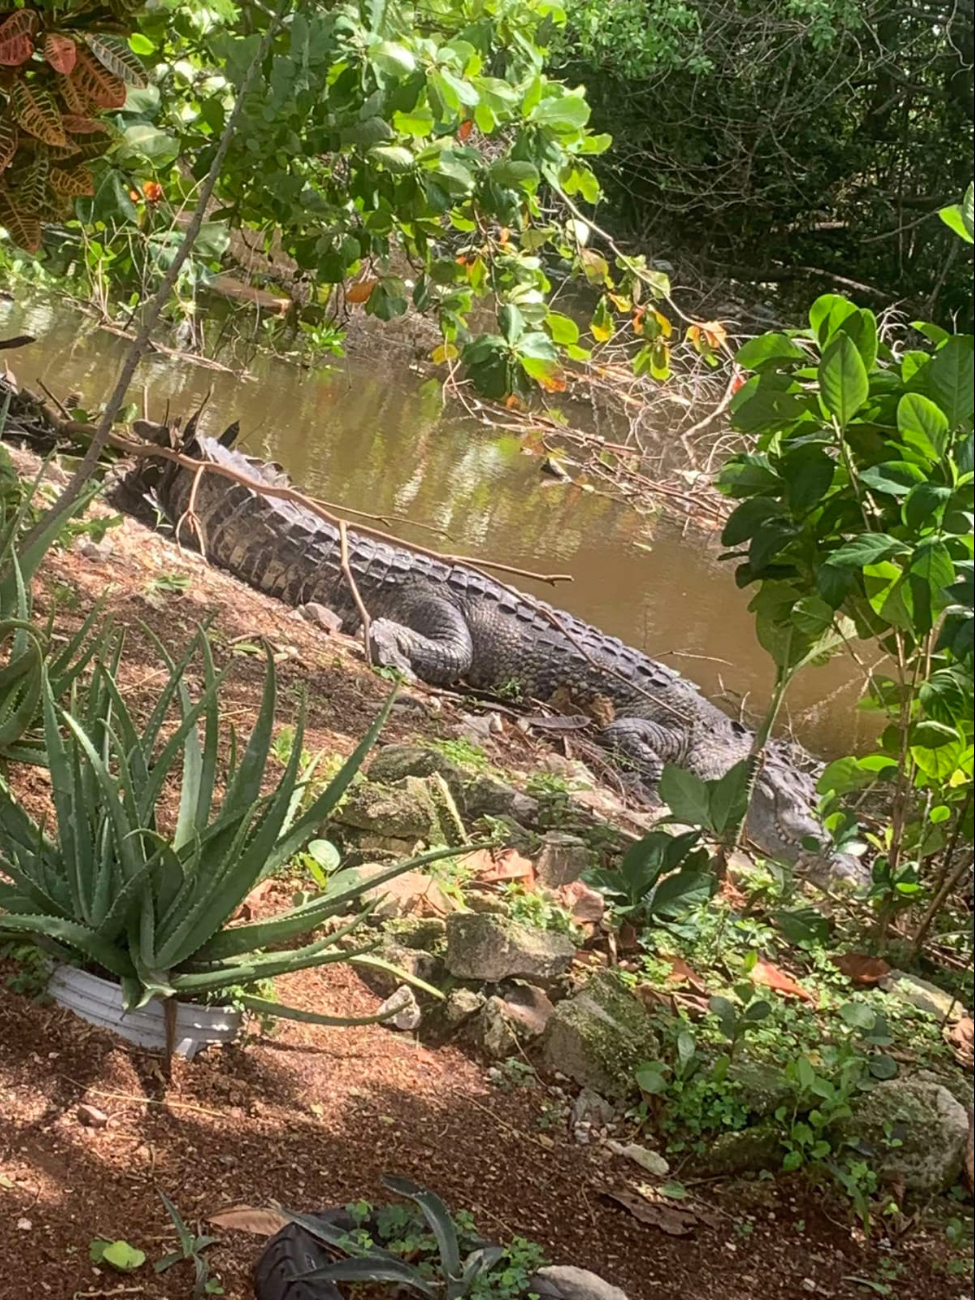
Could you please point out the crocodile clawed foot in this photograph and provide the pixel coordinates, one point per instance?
(387, 641)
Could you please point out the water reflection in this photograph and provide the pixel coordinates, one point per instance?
(370, 434)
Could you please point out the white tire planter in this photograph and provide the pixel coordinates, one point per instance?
(99, 1001)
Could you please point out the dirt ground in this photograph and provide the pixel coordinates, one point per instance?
(313, 1116)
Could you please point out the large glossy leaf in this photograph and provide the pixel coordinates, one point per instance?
(843, 382)
(437, 1215)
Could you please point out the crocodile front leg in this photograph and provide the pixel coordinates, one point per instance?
(434, 645)
(644, 745)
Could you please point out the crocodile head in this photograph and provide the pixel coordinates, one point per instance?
(783, 823)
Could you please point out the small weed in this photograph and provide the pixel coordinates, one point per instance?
(539, 911)
(33, 969)
(190, 1247)
(511, 1074)
(462, 752)
(158, 590)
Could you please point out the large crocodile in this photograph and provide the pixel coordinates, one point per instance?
(448, 623)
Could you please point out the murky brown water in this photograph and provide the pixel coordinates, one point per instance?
(370, 435)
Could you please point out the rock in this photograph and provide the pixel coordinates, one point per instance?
(478, 728)
(486, 904)
(744, 1151)
(411, 894)
(563, 859)
(930, 1126)
(407, 1015)
(492, 1031)
(409, 961)
(921, 994)
(91, 1116)
(590, 1108)
(406, 810)
(461, 1004)
(492, 948)
(652, 1161)
(762, 1087)
(322, 617)
(95, 552)
(394, 763)
(528, 1009)
(424, 932)
(486, 797)
(599, 1037)
(565, 1282)
(586, 906)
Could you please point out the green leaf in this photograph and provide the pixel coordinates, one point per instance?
(868, 548)
(514, 174)
(808, 472)
(563, 329)
(959, 217)
(827, 314)
(728, 797)
(393, 157)
(843, 381)
(143, 142)
(922, 425)
(768, 347)
(564, 112)
(857, 1015)
(686, 795)
(951, 377)
(117, 1254)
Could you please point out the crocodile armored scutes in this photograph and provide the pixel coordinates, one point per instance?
(450, 623)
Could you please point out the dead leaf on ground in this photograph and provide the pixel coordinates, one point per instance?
(681, 973)
(764, 973)
(961, 1039)
(655, 999)
(495, 869)
(861, 968)
(248, 1218)
(247, 908)
(675, 1220)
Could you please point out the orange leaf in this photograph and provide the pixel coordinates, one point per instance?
(60, 52)
(153, 191)
(73, 95)
(247, 1218)
(78, 124)
(97, 83)
(16, 45)
(681, 973)
(763, 972)
(553, 383)
(860, 968)
(961, 1037)
(464, 130)
(36, 111)
(361, 290)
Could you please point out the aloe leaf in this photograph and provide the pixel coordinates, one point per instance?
(404, 976)
(260, 968)
(73, 935)
(268, 1007)
(436, 1214)
(298, 920)
(62, 784)
(258, 931)
(246, 784)
(368, 1269)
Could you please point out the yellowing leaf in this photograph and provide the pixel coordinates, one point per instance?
(23, 229)
(763, 972)
(361, 290)
(72, 184)
(445, 352)
(38, 114)
(8, 141)
(248, 1218)
(73, 95)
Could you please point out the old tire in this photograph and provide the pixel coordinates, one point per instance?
(293, 1251)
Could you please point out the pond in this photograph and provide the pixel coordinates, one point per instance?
(373, 435)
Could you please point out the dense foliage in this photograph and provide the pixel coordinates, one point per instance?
(855, 521)
(768, 135)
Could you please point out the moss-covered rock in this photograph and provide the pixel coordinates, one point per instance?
(599, 1037)
(490, 948)
(910, 1130)
(417, 808)
(746, 1150)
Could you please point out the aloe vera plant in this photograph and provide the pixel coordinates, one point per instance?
(27, 646)
(151, 906)
(460, 1275)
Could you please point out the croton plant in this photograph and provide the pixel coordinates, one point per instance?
(62, 63)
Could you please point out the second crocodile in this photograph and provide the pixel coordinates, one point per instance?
(449, 623)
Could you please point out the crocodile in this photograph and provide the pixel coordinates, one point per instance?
(448, 623)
